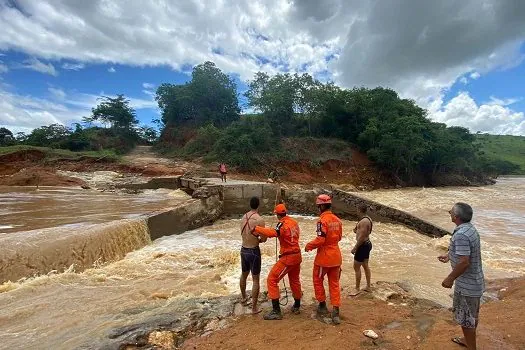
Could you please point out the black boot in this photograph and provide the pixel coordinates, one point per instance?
(335, 315)
(322, 310)
(276, 313)
(296, 308)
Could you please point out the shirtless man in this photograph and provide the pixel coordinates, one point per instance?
(250, 253)
(362, 248)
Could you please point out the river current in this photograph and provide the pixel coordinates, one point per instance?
(67, 310)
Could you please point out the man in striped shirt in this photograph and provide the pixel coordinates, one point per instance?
(464, 254)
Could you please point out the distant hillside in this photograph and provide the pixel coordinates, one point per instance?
(504, 147)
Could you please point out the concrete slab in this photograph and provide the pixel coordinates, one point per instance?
(216, 181)
(232, 192)
(250, 191)
(270, 191)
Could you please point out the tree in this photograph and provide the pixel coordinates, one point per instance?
(215, 95)
(244, 144)
(147, 134)
(278, 98)
(6, 137)
(21, 137)
(451, 150)
(117, 112)
(402, 146)
(210, 97)
(48, 136)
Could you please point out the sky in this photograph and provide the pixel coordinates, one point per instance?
(464, 61)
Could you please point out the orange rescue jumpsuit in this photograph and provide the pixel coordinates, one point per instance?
(328, 259)
(287, 231)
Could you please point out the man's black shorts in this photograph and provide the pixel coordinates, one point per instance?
(251, 260)
(363, 252)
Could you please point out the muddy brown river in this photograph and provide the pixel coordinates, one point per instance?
(28, 208)
(69, 310)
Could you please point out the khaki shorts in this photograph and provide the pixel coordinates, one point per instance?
(466, 310)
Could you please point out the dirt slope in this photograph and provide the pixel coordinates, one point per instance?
(33, 166)
(414, 325)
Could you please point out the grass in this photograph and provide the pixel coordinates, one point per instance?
(505, 147)
(61, 153)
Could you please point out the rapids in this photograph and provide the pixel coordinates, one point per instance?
(69, 310)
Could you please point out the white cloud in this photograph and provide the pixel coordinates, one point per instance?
(24, 113)
(3, 68)
(73, 66)
(240, 37)
(38, 66)
(139, 103)
(463, 80)
(494, 118)
(503, 102)
(149, 89)
(419, 48)
(57, 93)
(475, 75)
(111, 70)
(87, 101)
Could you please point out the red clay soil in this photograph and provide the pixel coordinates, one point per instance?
(332, 171)
(338, 172)
(414, 326)
(31, 167)
(35, 176)
(359, 171)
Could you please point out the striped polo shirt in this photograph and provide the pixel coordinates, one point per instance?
(465, 241)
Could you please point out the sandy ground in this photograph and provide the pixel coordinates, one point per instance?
(415, 325)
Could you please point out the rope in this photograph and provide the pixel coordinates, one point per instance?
(277, 259)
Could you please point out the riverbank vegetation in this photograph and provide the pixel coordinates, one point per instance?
(52, 154)
(201, 119)
(506, 148)
(112, 127)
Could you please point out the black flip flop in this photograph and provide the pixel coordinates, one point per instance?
(458, 341)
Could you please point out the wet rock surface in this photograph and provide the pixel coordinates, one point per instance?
(345, 205)
(167, 326)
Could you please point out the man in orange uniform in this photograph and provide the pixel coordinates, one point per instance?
(287, 231)
(328, 259)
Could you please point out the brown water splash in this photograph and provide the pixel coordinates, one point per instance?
(41, 251)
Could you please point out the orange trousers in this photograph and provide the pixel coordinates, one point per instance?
(281, 269)
(334, 273)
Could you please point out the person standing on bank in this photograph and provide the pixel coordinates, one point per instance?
(222, 171)
(289, 263)
(328, 259)
(464, 254)
(362, 248)
(251, 253)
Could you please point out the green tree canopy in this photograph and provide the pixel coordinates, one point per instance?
(6, 137)
(49, 136)
(210, 97)
(117, 112)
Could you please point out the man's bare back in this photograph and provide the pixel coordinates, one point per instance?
(248, 223)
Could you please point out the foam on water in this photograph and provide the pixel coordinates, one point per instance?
(205, 262)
